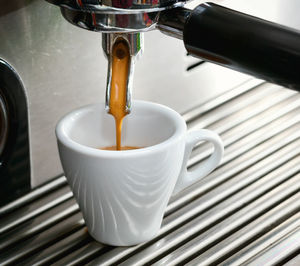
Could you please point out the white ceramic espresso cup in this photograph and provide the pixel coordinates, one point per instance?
(123, 194)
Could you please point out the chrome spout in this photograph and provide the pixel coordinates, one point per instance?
(135, 44)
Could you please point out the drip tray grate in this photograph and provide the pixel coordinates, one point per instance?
(245, 212)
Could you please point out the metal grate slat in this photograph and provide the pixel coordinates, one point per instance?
(250, 232)
(228, 96)
(33, 195)
(283, 249)
(39, 224)
(263, 244)
(230, 167)
(240, 214)
(43, 240)
(16, 220)
(231, 224)
(206, 212)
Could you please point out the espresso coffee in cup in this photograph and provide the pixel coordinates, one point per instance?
(123, 195)
(123, 148)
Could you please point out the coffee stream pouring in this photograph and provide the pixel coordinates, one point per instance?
(214, 33)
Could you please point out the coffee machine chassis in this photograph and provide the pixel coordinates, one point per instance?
(62, 67)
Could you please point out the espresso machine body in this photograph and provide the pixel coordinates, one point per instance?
(246, 211)
(49, 67)
(212, 32)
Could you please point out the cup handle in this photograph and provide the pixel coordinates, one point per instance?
(187, 178)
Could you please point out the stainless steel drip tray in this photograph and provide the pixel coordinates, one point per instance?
(245, 212)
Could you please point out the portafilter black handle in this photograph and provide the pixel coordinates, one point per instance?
(238, 41)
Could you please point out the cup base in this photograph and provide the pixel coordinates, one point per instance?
(122, 242)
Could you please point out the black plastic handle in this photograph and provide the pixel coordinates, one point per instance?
(244, 43)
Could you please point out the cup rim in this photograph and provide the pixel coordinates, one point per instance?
(62, 136)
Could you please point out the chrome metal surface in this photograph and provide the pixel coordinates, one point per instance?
(267, 242)
(115, 16)
(243, 213)
(63, 67)
(33, 195)
(3, 124)
(172, 22)
(15, 170)
(252, 231)
(281, 251)
(135, 43)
